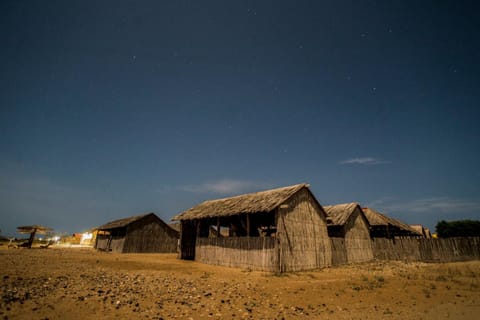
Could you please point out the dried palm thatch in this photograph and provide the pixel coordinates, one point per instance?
(175, 226)
(375, 218)
(34, 228)
(264, 201)
(339, 213)
(417, 227)
(120, 223)
(421, 230)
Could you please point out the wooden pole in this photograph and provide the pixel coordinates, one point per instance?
(218, 227)
(32, 237)
(198, 228)
(248, 225)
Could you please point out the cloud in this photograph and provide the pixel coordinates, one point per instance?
(225, 186)
(424, 205)
(364, 161)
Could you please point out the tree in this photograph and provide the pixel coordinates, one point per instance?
(459, 228)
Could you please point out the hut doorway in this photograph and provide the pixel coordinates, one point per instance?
(188, 239)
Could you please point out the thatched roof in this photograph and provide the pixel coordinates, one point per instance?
(419, 229)
(174, 226)
(264, 201)
(375, 218)
(120, 223)
(34, 228)
(340, 213)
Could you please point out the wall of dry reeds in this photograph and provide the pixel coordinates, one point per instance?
(346, 251)
(256, 253)
(427, 250)
(358, 243)
(115, 245)
(148, 235)
(303, 241)
(260, 253)
(339, 252)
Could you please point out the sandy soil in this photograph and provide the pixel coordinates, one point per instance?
(82, 283)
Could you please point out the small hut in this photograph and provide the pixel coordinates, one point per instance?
(349, 230)
(276, 230)
(422, 231)
(137, 234)
(382, 226)
(428, 234)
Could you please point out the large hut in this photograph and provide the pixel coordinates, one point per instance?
(349, 230)
(137, 234)
(276, 230)
(382, 226)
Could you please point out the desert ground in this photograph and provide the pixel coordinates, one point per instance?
(80, 283)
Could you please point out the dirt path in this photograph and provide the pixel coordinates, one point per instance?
(81, 283)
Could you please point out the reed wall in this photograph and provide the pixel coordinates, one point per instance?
(150, 236)
(116, 244)
(339, 252)
(256, 253)
(427, 250)
(358, 243)
(303, 241)
(260, 253)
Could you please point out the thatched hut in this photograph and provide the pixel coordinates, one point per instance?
(143, 233)
(422, 231)
(382, 226)
(349, 230)
(276, 230)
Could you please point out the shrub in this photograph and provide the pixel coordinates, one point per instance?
(460, 228)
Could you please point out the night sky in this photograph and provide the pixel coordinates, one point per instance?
(114, 108)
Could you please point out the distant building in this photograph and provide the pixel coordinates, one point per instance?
(421, 230)
(382, 226)
(137, 234)
(349, 229)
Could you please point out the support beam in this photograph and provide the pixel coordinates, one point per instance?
(31, 238)
(248, 225)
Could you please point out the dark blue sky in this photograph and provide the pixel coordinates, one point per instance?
(115, 108)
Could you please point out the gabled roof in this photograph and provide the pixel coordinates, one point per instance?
(375, 218)
(120, 223)
(419, 229)
(264, 201)
(174, 226)
(340, 213)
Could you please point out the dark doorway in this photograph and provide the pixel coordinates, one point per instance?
(188, 238)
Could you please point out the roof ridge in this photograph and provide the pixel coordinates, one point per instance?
(261, 201)
(257, 192)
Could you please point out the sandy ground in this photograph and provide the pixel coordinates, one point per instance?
(62, 283)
